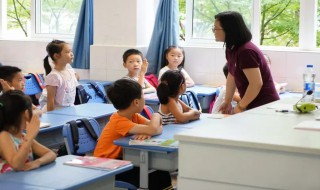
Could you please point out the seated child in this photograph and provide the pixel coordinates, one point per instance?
(173, 59)
(13, 78)
(137, 68)
(172, 109)
(126, 96)
(16, 146)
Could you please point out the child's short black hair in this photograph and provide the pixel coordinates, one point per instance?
(129, 52)
(122, 92)
(7, 73)
(13, 104)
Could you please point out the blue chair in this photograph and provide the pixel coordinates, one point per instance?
(147, 112)
(32, 86)
(81, 137)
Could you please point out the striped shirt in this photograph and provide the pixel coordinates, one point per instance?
(168, 118)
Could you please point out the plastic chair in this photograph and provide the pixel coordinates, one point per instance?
(147, 112)
(86, 143)
(32, 86)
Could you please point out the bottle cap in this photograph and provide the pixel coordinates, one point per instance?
(308, 66)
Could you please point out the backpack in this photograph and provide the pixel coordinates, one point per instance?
(152, 79)
(90, 92)
(190, 99)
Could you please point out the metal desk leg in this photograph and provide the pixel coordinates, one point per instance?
(144, 169)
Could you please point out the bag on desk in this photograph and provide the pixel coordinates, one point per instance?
(190, 99)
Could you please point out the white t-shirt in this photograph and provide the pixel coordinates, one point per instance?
(66, 84)
(166, 68)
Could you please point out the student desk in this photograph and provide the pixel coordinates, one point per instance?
(250, 151)
(152, 157)
(56, 175)
(100, 111)
(204, 93)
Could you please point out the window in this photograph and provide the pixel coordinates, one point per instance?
(276, 21)
(41, 18)
(56, 17)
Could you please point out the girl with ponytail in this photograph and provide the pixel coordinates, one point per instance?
(172, 109)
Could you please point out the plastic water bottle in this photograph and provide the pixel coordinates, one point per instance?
(308, 83)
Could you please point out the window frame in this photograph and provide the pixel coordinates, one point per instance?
(36, 22)
(307, 23)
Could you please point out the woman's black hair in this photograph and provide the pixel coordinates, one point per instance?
(169, 85)
(225, 70)
(56, 46)
(235, 29)
(165, 62)
(13, 104)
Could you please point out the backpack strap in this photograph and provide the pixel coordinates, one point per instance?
(99, 91)
(83, 95)
(147, 111)
(89, 128)
(196, 101)
(75, 134)
(40, 82)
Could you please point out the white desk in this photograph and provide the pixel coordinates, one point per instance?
(250, 151)
(58, 176)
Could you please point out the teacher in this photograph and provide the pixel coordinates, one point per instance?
(248, 69)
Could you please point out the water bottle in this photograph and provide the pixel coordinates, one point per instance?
(308, 83)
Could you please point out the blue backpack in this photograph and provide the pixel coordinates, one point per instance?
(90, 92)
(190, 99)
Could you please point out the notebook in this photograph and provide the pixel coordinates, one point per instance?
(97, 163)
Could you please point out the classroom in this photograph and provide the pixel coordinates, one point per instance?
(261, 148)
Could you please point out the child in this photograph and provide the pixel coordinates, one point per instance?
(127, 96)
(172, 109)
(61, 82)
(12, 77)
(137, 68)
(173, 59)
(16, 146)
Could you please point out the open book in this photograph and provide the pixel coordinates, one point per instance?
(97, 163)
(155, 142)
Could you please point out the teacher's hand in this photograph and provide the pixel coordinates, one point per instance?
(226, 108)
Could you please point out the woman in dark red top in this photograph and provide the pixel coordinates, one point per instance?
(248, 69)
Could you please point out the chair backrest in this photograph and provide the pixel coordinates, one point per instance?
(91, 93)
(32, 86)
(147, 112)
(81, 136)
(190, 99)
